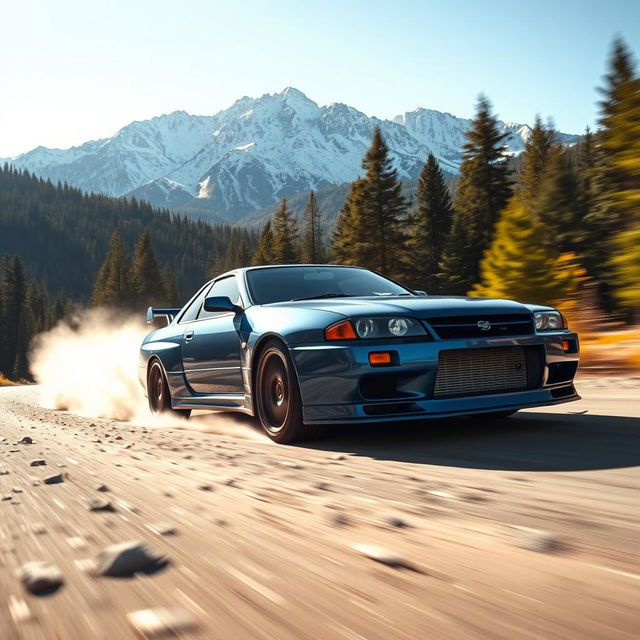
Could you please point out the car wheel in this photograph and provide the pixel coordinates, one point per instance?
(158, 393)
(495, 415)
(279, 406)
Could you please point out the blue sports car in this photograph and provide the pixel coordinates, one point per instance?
(302, 346)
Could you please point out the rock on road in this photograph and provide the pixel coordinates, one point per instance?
(519, 528)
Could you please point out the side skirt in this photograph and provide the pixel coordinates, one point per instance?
(219, 402)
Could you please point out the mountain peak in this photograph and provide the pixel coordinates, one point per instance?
(255, 152)
(293, 98)
(291, 93)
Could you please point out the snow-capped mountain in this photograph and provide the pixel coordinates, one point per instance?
(250, 155)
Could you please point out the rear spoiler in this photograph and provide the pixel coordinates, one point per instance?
(169, 314)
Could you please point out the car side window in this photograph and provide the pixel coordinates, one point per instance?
(191, 312)
(226, 287)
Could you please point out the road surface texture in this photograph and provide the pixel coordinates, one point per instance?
(521, 528)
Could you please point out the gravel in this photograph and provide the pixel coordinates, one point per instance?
(100, 504)
(127, 558)
(56, 478)
(386, 557)
(161, 622)
(40, 576)
(539, 541)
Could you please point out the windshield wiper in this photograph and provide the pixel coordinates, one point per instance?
(324, 295)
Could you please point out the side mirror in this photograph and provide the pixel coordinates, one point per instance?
(220, 303)
(421, 293)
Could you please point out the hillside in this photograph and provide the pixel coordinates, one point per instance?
(61, 234)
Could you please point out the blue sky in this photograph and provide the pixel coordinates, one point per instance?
(75, 70)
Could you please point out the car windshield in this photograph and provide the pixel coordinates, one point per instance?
(281, 284)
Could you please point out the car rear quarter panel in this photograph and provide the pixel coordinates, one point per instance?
(164, 344)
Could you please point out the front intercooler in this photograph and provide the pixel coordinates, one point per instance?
(466, 372)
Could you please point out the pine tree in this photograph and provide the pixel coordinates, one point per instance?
(242, 257)
(285, 236)
(536, 152)
(344, 245)
(618, 85)
(13, 292)
(616, 179)
(371, 231)
(519, 266)
(483, 190)
(456, 271)
(173, 298)
(25, 311)
(431, 225)
(381, 211)
(228, 261)
(146, 276)
(618, 139)
(113, 286)
(587, 162)
(311, 245)
(20, 369)
(264, 252)
(624, 136)
(556, 203)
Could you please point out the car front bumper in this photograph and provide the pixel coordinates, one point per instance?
(334, 389)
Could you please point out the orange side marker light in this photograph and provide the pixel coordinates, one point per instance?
(379, 357)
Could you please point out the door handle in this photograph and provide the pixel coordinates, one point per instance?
(188, 336)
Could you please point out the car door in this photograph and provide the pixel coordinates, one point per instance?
(211, 345)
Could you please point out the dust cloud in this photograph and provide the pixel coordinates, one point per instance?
(88, 365)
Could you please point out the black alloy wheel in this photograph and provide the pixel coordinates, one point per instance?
(158, 393)
(278, 402)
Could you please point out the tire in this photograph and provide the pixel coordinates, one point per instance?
(158, 393)
(496, 415)
(277, 393)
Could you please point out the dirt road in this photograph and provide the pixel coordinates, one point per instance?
(521, 528)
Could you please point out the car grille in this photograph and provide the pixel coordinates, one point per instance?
(476, 326)
(467, 372)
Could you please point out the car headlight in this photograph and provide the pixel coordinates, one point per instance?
(374, 328)
(388, 328)
(365, 328)
(549, 320)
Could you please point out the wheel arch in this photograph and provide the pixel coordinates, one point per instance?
(154, 358)
(256, 352)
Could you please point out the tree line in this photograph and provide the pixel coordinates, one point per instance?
(62, 234)
(545, 227)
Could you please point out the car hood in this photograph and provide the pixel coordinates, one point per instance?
(420, 307)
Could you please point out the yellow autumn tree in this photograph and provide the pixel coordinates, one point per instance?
(519, 266)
